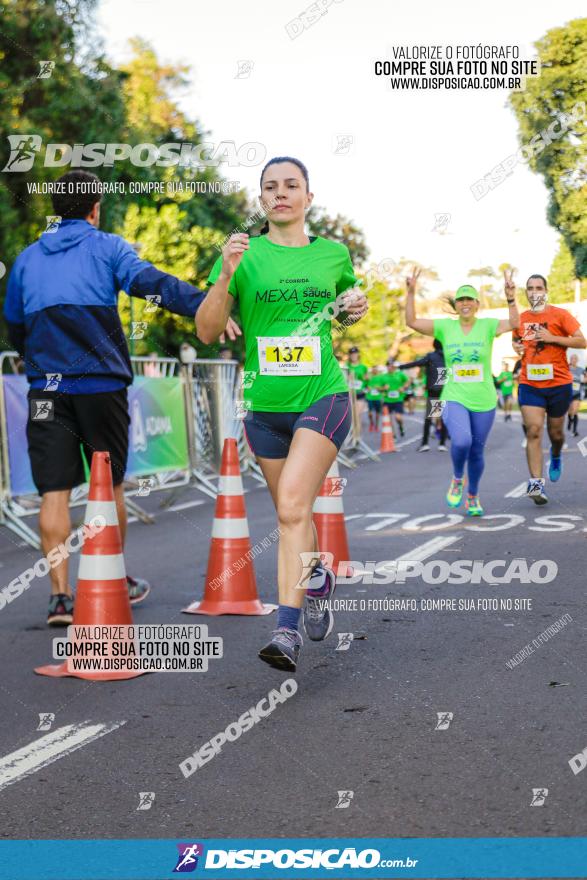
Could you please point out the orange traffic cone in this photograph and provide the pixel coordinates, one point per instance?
(230, 586)
(328, 517)
(387, 441)
(102, 592)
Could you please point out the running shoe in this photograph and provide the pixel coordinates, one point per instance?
(60, 610)
(138, 589)
(319, 620)
(401, 430)
(423, 448)
(283, 650)
(536, 492)
(555, 467)
(473, 506)
(442, 447)
(454, 496)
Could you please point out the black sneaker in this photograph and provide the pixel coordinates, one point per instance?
(283, 650)
(60, 610)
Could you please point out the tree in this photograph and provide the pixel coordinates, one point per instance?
(561, 278)
(556, 99)
(341, 229)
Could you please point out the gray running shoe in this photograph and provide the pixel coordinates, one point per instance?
(283, 650)
(319, 620)
(536, 492)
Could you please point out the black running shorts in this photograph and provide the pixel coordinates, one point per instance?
(96, 422)
(269, 434)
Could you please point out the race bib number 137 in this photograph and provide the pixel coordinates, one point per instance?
(289, 355)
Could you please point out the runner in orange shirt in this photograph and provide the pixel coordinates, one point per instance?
(546, 384)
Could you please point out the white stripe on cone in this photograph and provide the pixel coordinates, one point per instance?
(230, 485)
(328, 504)
(104, 568)
(107, 509)
(230, 528)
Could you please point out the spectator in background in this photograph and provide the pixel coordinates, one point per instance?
(433, 364)
(62, 316)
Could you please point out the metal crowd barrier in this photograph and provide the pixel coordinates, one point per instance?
(354, 442)
(210, 391)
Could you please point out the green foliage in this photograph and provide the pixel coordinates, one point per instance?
(560, 89)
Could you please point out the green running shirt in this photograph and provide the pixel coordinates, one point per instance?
(281, 292)
(468, 356)
(395, 381)
(505, 380)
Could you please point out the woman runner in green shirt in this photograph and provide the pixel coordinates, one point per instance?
(289, 288)
(469, 392)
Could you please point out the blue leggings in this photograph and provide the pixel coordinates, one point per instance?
(468, 433)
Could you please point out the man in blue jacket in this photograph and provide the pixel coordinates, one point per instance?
(62, 315)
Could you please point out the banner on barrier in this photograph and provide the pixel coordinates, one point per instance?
(157, 435)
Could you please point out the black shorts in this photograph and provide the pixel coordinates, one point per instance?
(269, 434)
(374, 405)
(97, 422)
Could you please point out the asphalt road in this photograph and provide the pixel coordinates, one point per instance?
(363, 720)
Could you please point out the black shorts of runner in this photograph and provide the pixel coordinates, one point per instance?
(96, 422)
(374, 406)
(269, 434)
(576, 395)
(360, 395)
(397, 407)
(555, 400)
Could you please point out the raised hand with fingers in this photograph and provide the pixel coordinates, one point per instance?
(412, 280)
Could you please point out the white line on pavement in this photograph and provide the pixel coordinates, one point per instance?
(517, 491)
(185, 505)
(435, 545)
(47, 749)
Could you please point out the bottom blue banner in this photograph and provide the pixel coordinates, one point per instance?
(304, 858)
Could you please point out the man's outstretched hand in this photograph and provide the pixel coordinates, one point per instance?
(232, 330)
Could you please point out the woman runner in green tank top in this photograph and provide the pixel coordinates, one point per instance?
(289, 287)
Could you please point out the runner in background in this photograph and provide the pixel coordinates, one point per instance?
(298, 414)
(505, 383)
(516, 376)
(546, 389)
(374, 395)
(357, 374)
(573, 414)
(409, 399)
(395, 384)
(469, 394)
(435, 377)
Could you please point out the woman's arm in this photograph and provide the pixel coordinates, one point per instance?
(213, 314)
(513, 321)
(422, 325)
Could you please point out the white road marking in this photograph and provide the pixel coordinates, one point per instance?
(424, 551)
(47, 749)
(185, 505)
(387, 519)
(353, 516)
(517, 491)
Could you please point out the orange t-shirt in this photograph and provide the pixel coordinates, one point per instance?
(545, 364)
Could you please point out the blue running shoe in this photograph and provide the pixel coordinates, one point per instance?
(555, 467)
(283, 650)
(318, 619)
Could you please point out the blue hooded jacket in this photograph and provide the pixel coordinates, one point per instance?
(61, 305)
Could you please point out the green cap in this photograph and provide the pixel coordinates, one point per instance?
(466, 291)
